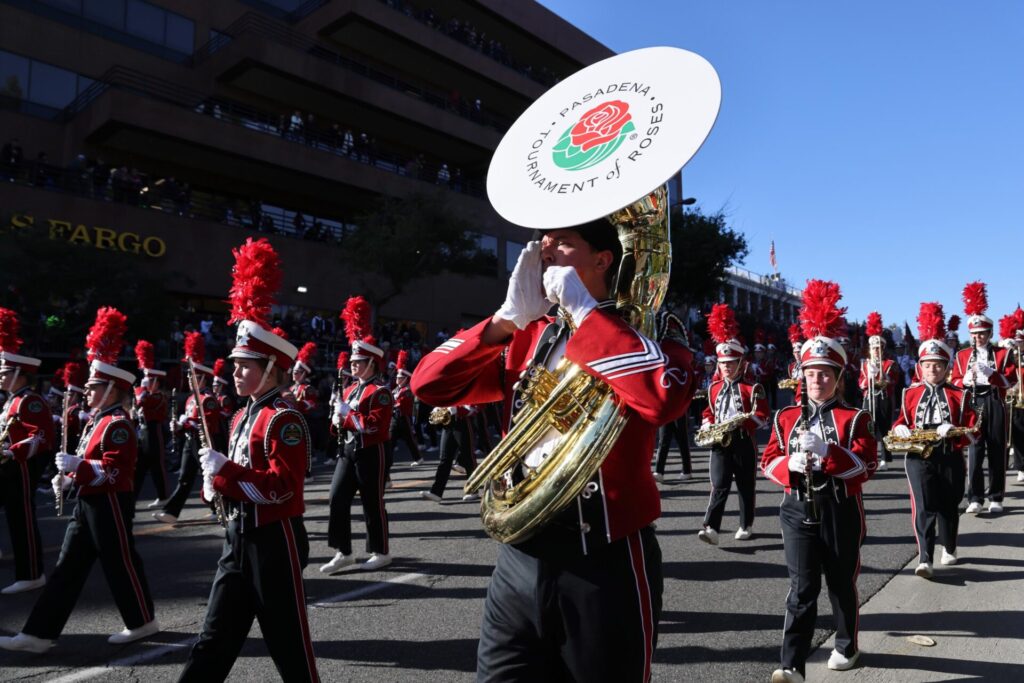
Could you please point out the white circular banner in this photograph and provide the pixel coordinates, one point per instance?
(604, 137)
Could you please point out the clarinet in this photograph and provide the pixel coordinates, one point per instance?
(812, 515)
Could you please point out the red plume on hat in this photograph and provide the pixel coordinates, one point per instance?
(106, 336)
(722, 323)
(145, 355)
(402, 361)
(975, 298)
(1008, 326)
(306, 354)
(874, 324)
(795, 336)
(9, 326)
(356, 315)
(74, 373)
(195, 347)
(954, 323)
(821, 314)
(931, 323)
(343, 360)
(256, 278)
(218, 367)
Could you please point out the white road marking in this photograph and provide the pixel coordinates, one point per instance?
(366, 590)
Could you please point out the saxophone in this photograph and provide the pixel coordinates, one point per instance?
(922, 441)
(440, 417)
(719, 434)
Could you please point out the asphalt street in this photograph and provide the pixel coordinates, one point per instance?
(418, 620)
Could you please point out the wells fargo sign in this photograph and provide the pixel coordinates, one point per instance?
(94, 236)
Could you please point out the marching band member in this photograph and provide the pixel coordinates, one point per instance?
(458, 449)
(599, 561)
(364, 417)
(151, 414)
(729, 397)
(190, 423)
(670, 327)
(401, 420)
(259, 481)
(877, 381)
(822, 519)
(1013, 337)
(222, 392)
(27, 423)
(103, 470)
(985, 372)
(75, 373)
(936, 482)
(303, 393)
(793, 370)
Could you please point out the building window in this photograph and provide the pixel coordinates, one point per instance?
(109, 12)
(137, 18)
(145, 21)
(512, 251)
(52, 86)
(13, 75)
(181, 33)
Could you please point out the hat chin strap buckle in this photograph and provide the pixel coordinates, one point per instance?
(266, 374)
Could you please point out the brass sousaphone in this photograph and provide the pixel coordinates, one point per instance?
(593, 146)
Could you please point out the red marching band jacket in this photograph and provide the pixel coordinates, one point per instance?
(268, 454)
(212, 410)
(761, 410)
(1001, 380)
(305, 397)
(960, 414)
(109, 448)
(152, 404)
(403, 400)
(31, 431)
(888, 373)
(654, 382)
(852, 452)
(227, 406)
(369, 421)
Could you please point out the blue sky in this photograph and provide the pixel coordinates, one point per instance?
(880, 144)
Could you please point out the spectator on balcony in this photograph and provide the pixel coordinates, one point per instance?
(41, 172)
(310, 127)
(299, 225)
(457, 179)
(80, 175)
(443, 176)
(13, 156)
(295, 126)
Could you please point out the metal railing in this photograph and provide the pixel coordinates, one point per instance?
(331, 141)
(768, 282)
(252, 23)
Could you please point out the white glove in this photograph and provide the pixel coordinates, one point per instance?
(525, 300)
(797, 462)
(943, 429)
(968, 379)
(705, 423)
(208, 490)
(902, 431)
(211, 461)
(342, 409)
(810, 442)
(66, 462)
(563, 286)
(183, 419)
(60, 484)
(985, 370)
(336, 420)
(454, 410)
(83, 415)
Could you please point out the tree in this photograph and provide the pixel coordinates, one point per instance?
(703, 246)
(406, 239)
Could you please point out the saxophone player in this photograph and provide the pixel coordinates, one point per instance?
(937, 482)
(985, 373)
(878, 383)
(837, 444)
(599, 559)
(736, 460)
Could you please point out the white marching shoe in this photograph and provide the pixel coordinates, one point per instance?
(24, 586)
(708, 535)
(840, 662)
(924, 570)
(743, 534)
(994, 506)
(974, 508)
(430, 495)
(165, 517)
(376, 561)
(337, 563)
(158, 503)
(23, 642)
(658, 477)
(130, 635)
(787, 676)
(685, 476)
(948, 558)
(882, 466)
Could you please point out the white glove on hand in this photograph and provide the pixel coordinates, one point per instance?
(183, 419)
(66, 462)
(525, 300)
(563, 286)
(342, 409)
(797, 462)
(985, 370)
(902, 431)
(83, 415)
(943, 429)
(211, 461)
(810, 442)
(60, 484)
(454, 411)
(208, 490)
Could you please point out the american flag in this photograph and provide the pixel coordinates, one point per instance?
(771, 258)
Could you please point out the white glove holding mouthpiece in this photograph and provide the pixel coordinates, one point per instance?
(797, 462)
(525, 300)
(563, 286)
(810, 442)
(59, 484)
(943, 429)
(66, 462)
(211, 461)
(902, 431)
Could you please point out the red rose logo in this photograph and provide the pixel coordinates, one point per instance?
(600, 125)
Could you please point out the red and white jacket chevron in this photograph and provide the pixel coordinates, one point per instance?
(109, 449)
(31, 425)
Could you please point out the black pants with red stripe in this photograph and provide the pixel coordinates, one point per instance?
(936, 489)
(990, 446)
(555, 614)
(832, 547)
(363, 470)
(680, 431)
(18, 498)
(100, 529)
(457, 446)
(151, 461)
(259, 576)
(735, 461)
(401, 429)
